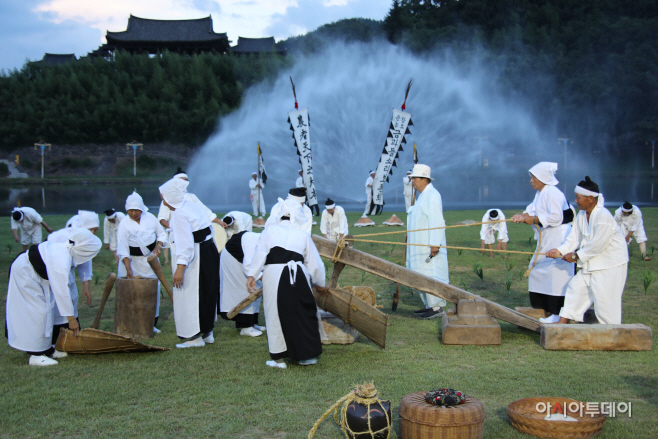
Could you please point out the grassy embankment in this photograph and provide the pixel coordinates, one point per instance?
(225, 389)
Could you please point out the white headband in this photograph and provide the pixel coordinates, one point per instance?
(582, 191)
(112, 216)
(293, 197)
(626, 210)
(330, 206)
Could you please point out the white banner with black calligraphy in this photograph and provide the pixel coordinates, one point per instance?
(300, 126)
(394, 140)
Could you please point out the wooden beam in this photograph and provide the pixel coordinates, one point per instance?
(396, 273)
(583, 337)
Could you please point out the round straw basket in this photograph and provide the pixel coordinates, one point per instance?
(420, 420)
(524, 417)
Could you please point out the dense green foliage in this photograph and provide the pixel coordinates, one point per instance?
(351, 29)
(591, 65)
(171, 98)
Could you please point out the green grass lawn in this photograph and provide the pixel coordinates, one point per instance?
(225, 389)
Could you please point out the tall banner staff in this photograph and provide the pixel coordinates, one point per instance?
(300, 125)
(397, 130)
(262, 177)
(396, 295)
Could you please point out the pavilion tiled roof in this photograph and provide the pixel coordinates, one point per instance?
(255, 45)
(148, 30)
(54, 59)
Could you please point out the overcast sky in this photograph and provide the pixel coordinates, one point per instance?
(30, 28)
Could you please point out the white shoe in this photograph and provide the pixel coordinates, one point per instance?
(209, 339)
(309, 362)
(260, 328)
(59, 354)
(41, 360)
(554, 318)
(196, 343)
(251, 332)
(156, 330)
(273, 363)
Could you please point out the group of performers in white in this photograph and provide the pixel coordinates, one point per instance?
(284, 262)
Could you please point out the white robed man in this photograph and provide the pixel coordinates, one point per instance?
(290, 263)
(110, 229)
(164, 213)
(237, 222)
(629, 218)
(139, 236)
(597, 245)
(370, 181)
(234, 264)
(85, 220)
(408, 190)
(38, 281)
(300, 180)
(551, 213)
(430, 259)
(295, 194)
(488, 231)
(195, 267)
(29, 222)
(333, 224)
(256, 187)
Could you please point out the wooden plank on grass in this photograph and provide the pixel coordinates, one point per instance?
(581, 337)
(396, 273)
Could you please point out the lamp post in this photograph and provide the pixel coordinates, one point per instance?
(564, 140)
(42, 145)
(134, 146)
(479, 140)
(653, 153)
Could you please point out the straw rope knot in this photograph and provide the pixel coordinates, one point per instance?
(340, 245)
(364, 394)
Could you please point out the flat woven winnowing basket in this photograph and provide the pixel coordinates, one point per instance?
(524, 417)
(95, 341)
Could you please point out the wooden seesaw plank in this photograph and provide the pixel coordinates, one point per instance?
(396, 273)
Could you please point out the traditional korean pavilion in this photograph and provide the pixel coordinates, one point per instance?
(144, 35)
(256, 46)
(53, 59)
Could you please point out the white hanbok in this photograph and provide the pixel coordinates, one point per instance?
(290, 264)
(334, 225)
(428, 213)
(274, 217)
(369, 183)
(632, 223)
(488, 231)
(85, 272)
(299, 182)
(408, 191)
(233, 275)
(603, 259)
(185, 220)
(29, 226)
(549, 276)
(140, 235)
(257, 200)
(110, 230)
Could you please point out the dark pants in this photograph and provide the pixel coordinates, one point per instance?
(551, 304)
(208, 285)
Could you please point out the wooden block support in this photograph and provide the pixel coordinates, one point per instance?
(470, 330)
(475, 307)
(566, 337)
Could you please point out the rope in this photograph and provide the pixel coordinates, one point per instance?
(342, 242)
(364, 394)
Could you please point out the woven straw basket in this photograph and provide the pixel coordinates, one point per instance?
(525, 418)
(420, 420)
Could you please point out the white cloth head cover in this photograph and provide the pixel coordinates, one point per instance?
(135, 202)
(582, 191)
(296, 198)
(174, 192)
(87, 220)
(545, 172)
(182, 176)
(290, 208)
(254, 173)
(626, 210)
(422, 171)
(85, 245)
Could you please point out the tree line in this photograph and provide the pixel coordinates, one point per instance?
(166, 98)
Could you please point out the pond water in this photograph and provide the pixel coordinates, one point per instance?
(458, 193)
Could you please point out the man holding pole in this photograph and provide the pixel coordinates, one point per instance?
(426, 257)
(256, 186)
